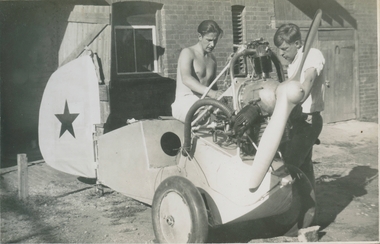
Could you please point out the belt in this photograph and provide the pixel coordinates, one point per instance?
(313, 113)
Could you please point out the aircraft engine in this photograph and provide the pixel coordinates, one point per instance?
(255, 100)
(255, 96)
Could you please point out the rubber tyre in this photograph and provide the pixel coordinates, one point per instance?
(179, 213)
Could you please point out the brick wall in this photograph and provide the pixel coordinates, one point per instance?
(180, 22)
(365, 14)
(29, 51)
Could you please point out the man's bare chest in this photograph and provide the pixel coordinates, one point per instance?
(204, 68)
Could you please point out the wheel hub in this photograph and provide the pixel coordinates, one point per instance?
(170, 220)
(175, 218)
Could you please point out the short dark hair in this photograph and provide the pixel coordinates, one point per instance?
(209, 26)
(288, 33)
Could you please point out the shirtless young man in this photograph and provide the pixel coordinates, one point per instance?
(196, 69)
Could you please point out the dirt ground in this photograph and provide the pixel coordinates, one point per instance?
(66, 209)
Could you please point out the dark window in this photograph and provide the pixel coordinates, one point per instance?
(135, 49)
(136, 41)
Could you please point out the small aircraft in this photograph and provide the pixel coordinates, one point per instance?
(223, 165)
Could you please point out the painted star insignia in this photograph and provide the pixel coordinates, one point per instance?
(67, 120)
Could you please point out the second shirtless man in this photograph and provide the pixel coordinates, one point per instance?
(196, 69)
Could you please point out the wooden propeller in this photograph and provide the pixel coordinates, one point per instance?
(288, 94)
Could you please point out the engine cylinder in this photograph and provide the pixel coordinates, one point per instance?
(263, 65)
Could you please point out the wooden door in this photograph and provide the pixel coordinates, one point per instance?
(338, 47)
(336, 40)
(88, 27)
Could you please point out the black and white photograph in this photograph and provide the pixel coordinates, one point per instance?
(189, 121)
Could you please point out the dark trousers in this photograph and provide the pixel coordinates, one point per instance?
(303, 134)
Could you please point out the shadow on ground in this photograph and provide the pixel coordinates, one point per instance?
(334, 193)
(240, 232)
(12, 207)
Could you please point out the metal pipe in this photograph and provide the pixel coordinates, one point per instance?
(186, 148)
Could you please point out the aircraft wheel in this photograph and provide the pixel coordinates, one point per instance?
(302, 210)
(179, 212)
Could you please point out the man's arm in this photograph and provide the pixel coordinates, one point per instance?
(214, 70)
(314, 64)
(185, 65)
(310, 74)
